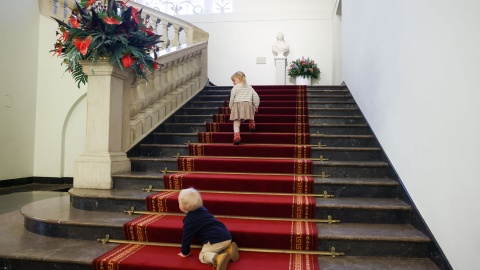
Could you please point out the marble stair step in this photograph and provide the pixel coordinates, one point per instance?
(336, 119)
(354, 169)
(357, 187)
(372, 210)
(204, 104)
(153, 164)
(326, 129)
(340, 187)
(21, 249)
(58, 219)
(362, 169)
(331, 153)
(310, 97)
(315, 107)
(313, 119)
(226, 91)
(364, 210)
(327, 140)
(315, 139)
(375, 263)
(358, 239)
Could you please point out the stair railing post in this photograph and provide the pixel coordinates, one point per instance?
(107, 135)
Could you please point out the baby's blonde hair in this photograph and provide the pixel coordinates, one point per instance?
(241, 76)
(190, 199)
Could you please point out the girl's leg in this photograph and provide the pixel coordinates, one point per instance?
(236, 131)
(236, 126)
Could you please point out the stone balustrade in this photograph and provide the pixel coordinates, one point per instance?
(182, 75)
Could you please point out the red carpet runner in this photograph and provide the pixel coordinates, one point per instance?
(228, 177)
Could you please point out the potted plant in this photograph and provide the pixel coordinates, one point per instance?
(303, 70)
(113, 31)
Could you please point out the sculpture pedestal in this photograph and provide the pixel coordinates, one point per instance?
(280, 66)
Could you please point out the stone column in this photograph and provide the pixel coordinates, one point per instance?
(107, 104)
(280, 66)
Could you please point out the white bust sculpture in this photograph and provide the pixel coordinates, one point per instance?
(280, 47)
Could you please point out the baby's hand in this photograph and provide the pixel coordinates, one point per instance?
(182, 255)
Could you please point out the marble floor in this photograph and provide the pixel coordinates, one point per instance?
(14, 201)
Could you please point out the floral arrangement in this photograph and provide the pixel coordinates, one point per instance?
(111, 31)
(303, 67)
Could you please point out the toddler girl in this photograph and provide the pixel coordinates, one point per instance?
(244, 102)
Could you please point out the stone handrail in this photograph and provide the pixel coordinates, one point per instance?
(142, 104)
(162, 23)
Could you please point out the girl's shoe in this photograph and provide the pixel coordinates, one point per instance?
(236, 138)
(251, 125)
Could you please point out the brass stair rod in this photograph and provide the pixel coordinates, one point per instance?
(329, 220)
(262, 250)
(281, 158)
(245, 193)
(319, 145)
(250, 173)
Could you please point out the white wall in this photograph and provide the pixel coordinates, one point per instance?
(44, 129)
(18, 78)
(238, 38)
(337, 76)
(61, 111)
(413, 68)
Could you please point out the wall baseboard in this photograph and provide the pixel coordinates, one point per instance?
(36, 180)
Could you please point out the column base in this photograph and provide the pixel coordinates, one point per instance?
(94, 170)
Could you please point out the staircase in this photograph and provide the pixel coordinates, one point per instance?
(379, 228)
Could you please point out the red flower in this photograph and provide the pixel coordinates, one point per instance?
(58, 49)
(127, 60)
(142, 67)
(111, 20)
(148, 31)
(82, 45)
(134, 14)
(65, 34)
(74, 22)
(156, 65)
(89, 3)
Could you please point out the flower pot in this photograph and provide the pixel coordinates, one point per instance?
(299, 80)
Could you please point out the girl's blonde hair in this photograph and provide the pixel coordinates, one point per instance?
(190, 199)
(241, 76)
